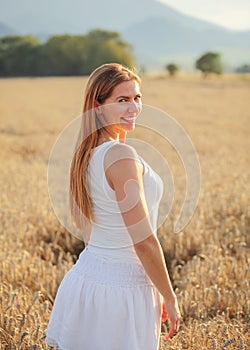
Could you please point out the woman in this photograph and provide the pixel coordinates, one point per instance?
(119, 291)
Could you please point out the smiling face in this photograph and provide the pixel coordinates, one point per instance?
(119, 111)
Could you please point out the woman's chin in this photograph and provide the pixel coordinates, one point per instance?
(128, 126)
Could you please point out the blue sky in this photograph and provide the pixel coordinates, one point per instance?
(232, 14)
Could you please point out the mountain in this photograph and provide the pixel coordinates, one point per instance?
(157, 32)
(182, 42)
(59, 16)
(76, 16)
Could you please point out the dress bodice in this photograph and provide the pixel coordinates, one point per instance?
(109, 235)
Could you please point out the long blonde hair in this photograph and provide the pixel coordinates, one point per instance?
(100, 86)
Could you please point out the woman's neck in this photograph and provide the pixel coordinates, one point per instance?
(106, 135)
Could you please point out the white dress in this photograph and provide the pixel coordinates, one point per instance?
(106, 301)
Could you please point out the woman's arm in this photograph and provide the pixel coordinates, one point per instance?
(124, 173)
(151, 255)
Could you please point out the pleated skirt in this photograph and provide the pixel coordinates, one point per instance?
(102, 304)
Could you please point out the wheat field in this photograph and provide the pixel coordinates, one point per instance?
(208, 261)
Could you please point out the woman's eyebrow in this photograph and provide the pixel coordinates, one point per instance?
(127, 97)
(122, 97)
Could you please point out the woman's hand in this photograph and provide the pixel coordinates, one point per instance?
(170, 309)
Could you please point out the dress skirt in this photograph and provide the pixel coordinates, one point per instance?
(102, 304)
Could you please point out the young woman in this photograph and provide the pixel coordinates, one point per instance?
(119, 291)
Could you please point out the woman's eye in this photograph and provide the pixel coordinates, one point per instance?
(137, 99)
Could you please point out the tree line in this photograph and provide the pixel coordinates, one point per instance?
(62, 55)
(72, 55)
(208, 63)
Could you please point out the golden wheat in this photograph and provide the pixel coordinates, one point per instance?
(209, 261)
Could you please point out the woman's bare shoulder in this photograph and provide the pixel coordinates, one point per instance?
(121, 157)
(120, 151)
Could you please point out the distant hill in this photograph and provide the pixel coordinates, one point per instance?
(76, 16)
(182, 42)
(157, 32)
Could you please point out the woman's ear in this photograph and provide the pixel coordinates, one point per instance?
(97, 104)
(98, 108)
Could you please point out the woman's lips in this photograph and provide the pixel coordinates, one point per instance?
(129, 120)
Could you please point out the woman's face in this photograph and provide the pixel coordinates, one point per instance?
(120, 110)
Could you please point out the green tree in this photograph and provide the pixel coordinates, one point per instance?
(18, 55)
(245, 68)
(106, 47)
(172, 69)
(64, 55)
(210, 62)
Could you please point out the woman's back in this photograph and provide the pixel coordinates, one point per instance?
(109, 235)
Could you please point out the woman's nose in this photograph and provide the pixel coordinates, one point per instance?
(134, 107)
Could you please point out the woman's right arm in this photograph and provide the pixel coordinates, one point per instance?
(151, 255)
(124, 173)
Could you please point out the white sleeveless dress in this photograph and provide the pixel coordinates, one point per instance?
(107, 301)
